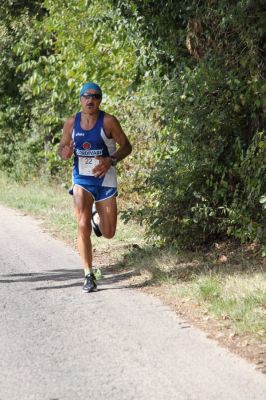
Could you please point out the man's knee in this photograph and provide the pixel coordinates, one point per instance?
(109, 233)
(84, 227)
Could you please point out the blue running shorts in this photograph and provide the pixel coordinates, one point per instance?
(99, 193)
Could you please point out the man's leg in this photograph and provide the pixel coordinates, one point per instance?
(83, 201)
(107, 210)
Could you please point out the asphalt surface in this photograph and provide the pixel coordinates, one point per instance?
(57, 343)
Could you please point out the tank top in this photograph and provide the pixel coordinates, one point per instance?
(87, 145)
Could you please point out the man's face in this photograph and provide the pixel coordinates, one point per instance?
(90, 101)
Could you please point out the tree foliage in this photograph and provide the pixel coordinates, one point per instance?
(187, 79)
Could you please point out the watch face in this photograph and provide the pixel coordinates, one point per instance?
(114, 162)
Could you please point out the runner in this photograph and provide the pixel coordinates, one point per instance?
(91, 135)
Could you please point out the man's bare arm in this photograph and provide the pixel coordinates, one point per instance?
(65, 148)
(113, 129)
(119, 136)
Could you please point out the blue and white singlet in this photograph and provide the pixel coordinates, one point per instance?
(87, 145)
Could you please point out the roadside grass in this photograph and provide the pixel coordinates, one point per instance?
(240, 299)
(49, 203)
(233, 291)
(54, 206)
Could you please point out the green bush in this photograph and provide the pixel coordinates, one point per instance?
(187, 83)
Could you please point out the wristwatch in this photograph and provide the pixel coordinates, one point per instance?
(113, 161)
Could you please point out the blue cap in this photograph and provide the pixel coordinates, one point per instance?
(88, 86)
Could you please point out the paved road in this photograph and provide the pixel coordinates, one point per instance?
(57, 343)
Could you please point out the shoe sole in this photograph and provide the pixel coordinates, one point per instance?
(90, 291)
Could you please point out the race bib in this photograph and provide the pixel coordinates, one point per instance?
(86, 165)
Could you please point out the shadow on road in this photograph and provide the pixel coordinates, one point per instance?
(64, 275)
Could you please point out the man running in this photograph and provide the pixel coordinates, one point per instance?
(91, 135)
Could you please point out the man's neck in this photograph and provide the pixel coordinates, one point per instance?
(88, 121)
(90, 115)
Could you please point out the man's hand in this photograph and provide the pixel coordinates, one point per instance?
(65, 150)
(101, 169)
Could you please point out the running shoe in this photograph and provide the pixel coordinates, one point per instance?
(94, 224)
(90, 284)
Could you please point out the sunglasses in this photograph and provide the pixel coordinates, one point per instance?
(93, 96)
